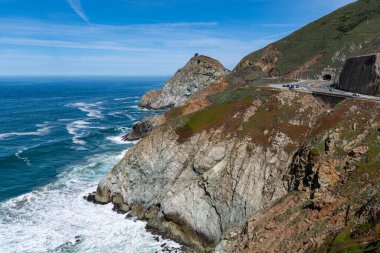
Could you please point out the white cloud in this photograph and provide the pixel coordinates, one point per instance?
(77, 7)
(138, 49)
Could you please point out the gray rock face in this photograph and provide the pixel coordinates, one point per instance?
(208, 184)
(197, 74)
(205, 186)
(361, 75)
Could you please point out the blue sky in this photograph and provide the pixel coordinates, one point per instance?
(141, 37)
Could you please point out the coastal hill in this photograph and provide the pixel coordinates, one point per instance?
(197, 74)
(324, 44)
(249, 168)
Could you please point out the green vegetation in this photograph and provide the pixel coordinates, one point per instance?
(371, 159)
(317, 148)
(349, 31)
(213, 116)
(227, 110)
(359, 239)
(241, 92)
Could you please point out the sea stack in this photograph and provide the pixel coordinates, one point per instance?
(197, 74)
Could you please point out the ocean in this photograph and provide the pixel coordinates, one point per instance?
(58, 138)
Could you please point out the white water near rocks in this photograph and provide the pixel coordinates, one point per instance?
(56, 218)
(54, 150)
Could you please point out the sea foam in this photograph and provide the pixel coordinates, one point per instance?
(42, 129)
(56, 218)
(93, 110)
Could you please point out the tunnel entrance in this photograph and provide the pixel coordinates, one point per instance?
(327, 77)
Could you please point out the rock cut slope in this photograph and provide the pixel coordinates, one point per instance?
(361, 75)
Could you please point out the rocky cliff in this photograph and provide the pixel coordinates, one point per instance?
(197, 74)
(325, 43)
(333, 204)
(361, 75)
(256, 170)
(201, 174)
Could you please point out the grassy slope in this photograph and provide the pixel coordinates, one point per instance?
(228, 108)
(343, 33)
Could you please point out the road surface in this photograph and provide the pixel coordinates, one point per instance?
(323, 88)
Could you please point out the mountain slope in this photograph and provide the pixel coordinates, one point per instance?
(327, 42)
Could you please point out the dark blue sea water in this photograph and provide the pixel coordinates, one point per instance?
(58, 138)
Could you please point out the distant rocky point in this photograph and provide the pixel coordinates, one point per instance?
(197, 74)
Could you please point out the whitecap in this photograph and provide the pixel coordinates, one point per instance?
(119, 140)
(116, 139)
(43, 129)
(117, 114)
(126, 98)
(93, 110)
(23, 158)
(75, 128)
(130, 117)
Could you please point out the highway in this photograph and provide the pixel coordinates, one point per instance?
(323, 88)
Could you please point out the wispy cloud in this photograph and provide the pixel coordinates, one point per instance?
(136, 49)
(71, 44)
(77, 7)
(280, 25)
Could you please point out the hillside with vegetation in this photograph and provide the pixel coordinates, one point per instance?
(325, 43)
(251, 168)
(256, 169)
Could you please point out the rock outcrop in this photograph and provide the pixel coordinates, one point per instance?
(361, 75)
(143, 128)
(197, 74)
(197, 176)
(196, 101)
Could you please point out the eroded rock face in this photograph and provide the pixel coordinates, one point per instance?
(334, 186)
(267, 63)
(361, 75)
(212, 181)
(197, 74)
